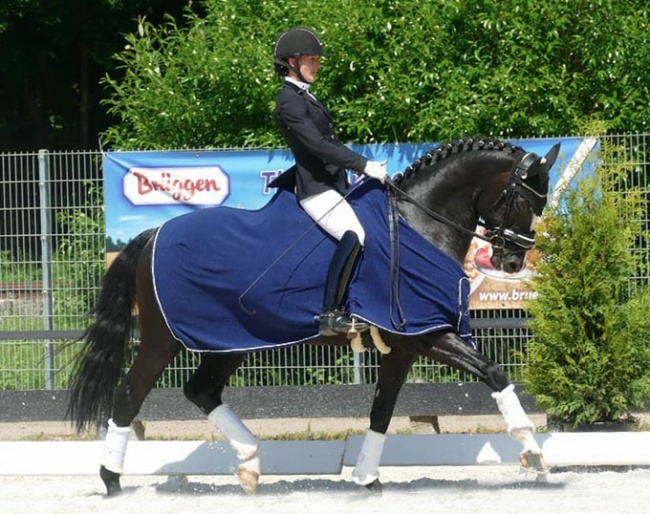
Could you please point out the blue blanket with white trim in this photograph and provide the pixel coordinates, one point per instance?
(233, 280)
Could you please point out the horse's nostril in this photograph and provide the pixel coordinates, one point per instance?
(513, 266)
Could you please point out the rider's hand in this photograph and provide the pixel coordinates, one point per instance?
(376, 170)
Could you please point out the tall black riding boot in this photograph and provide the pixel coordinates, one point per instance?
(333, 319)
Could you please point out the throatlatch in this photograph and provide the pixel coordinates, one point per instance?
(333, 319)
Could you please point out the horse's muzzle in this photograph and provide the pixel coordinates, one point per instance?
(508, 263)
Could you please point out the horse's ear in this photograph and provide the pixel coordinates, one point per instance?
(551, 156)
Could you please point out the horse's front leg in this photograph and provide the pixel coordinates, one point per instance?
(393, 369)
(521, 429)
(204, 390)
(450, 349)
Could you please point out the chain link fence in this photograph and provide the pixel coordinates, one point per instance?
(52, 258)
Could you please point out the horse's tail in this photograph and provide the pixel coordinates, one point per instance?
(97, 368)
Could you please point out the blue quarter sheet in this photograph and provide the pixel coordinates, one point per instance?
(233, 280)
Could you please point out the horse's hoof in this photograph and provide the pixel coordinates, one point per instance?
(248, 480)
(249, 474)
(375, 487)
(534, 462)
(111, 481)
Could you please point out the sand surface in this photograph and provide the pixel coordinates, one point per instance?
(467, 490)
(464, 489)
(265, 428)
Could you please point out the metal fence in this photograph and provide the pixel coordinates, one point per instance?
(52, 257)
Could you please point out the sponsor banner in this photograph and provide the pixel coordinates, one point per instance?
(208, 185)
(144, 189)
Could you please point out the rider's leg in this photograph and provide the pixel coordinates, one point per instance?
(333, 213)
(333, 318)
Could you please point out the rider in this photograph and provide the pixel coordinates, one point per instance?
(321, 161)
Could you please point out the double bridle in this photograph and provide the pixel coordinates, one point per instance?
(497, 236)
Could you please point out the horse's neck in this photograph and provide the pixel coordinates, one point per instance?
(444, 236)
(452, 192)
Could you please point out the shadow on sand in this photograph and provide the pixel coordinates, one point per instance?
(180, 485)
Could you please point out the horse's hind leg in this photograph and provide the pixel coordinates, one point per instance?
(452, 350)
(129, 395)
(157, 349)
(204, 390)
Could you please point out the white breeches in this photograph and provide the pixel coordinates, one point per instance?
(333, 214)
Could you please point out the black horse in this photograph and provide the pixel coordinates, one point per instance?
(442, 196)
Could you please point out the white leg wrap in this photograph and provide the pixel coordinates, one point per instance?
(115, 447)
(518, 424)
(366, 470)
(240, 438)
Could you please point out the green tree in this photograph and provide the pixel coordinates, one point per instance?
(398, 70)
(53, 53)
(589, 358)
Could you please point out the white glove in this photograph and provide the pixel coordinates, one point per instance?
(376, 170)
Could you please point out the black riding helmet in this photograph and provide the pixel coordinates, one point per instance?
(294, 43)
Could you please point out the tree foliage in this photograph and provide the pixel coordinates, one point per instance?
(589, 358)
(53, 53)
(398, 70)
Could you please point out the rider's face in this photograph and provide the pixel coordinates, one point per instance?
(309, 65)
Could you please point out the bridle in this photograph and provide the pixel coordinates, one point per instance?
(497, 236)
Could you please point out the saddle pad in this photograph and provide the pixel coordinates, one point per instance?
(233, 280)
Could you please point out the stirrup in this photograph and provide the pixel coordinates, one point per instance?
(336, 322)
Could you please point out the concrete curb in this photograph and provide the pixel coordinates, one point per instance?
(324, 457)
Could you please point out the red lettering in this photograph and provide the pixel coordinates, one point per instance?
(178, 189)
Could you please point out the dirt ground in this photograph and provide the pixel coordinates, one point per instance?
(265, 428)
(427, 490)
(467, 489)
(278, 428)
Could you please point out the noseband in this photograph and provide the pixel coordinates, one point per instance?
(497, 236)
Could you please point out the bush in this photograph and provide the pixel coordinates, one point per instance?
(397, 70)
(589, 357)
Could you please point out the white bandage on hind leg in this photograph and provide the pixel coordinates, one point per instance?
(115, 447)
(239, 436)
(366, 470)
(512, 411)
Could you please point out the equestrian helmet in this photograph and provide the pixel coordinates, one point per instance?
(294, 43)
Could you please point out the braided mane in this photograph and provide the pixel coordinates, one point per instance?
(446, 150)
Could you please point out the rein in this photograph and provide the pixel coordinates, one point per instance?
(433, 214)
(497, 236)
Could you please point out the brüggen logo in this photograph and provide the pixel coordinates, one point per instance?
(203, 185)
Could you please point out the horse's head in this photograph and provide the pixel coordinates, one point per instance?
(502, 187)
(510, 205)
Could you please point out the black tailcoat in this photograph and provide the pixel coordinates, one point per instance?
(307, 127)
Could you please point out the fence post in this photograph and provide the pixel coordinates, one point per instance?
(357, 367)
(46, 261)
